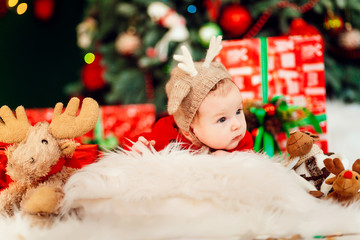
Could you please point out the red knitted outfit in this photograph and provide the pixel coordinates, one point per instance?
(165, 132)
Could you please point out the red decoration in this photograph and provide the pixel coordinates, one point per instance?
(126, 121)
(333, 24)
(213, 7)
(235, 20)
(121, 121)
(5, 180)
(270, 109)
(296, 72)
(150, 52)
(348, 174)
(84, 154)
(44, 9)
(298, 26)
(282, 4)
(3, 8)
(254, 132)
(92, 74)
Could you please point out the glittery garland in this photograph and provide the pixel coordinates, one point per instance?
(267, 13)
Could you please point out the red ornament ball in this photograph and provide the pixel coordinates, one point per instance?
(93, 74)
(298, 26)
(334, 24)
(44, 9)
(270, 109)
(150, 52)
(235, 20)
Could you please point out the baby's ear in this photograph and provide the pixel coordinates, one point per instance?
(188, 136)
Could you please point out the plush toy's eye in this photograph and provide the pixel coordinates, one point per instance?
(32, 160)
(44, 141)
(357, 178)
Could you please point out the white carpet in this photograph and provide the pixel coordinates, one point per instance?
(174, 195)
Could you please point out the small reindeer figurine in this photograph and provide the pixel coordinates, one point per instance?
(306, 159)
(34, 158)
(346, 183)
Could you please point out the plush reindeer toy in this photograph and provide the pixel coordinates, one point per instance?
(35, 158)
(346, 183)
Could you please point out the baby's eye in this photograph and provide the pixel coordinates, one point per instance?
(221, 120)
(238, 111)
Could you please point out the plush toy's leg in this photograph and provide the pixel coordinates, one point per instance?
(10, 198)
(44, 200)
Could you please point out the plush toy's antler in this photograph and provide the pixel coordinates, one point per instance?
(214, 49)
(68, 125)
(356, 166)
(13, 129)
(186, 62)
(334, 166)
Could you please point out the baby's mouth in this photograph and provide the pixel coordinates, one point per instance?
(236, 138)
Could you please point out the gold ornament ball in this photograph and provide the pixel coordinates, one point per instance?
(127, 43)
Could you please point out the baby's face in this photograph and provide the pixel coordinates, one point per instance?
(221, 122)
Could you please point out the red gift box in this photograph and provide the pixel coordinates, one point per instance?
(123, 122)
(295, 70)
(120, 121)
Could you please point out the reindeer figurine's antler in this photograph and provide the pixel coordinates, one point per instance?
(68, 125)
(13, 129)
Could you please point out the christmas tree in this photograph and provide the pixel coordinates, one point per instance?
(128, 45)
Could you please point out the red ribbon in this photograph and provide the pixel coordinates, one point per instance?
(83, 155)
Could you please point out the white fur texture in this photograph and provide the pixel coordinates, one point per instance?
(174, 195)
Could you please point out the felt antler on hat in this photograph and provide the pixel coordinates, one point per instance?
(190, 82)
(214, 49)
(186, 62)
(182, 87)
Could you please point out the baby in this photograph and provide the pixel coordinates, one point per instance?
(205, 108)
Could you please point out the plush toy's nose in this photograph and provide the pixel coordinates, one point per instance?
(348, 174)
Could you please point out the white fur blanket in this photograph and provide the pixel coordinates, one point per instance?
(176, 195)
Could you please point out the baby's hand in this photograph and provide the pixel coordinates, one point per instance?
(142, 143)
(220, 153)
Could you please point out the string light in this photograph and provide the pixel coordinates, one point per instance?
(89, 58)
(21, 9)
(12, 3)
(191, 9)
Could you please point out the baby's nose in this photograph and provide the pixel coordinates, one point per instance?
(235, 124)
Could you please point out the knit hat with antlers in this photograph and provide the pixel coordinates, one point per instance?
(190, 82)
